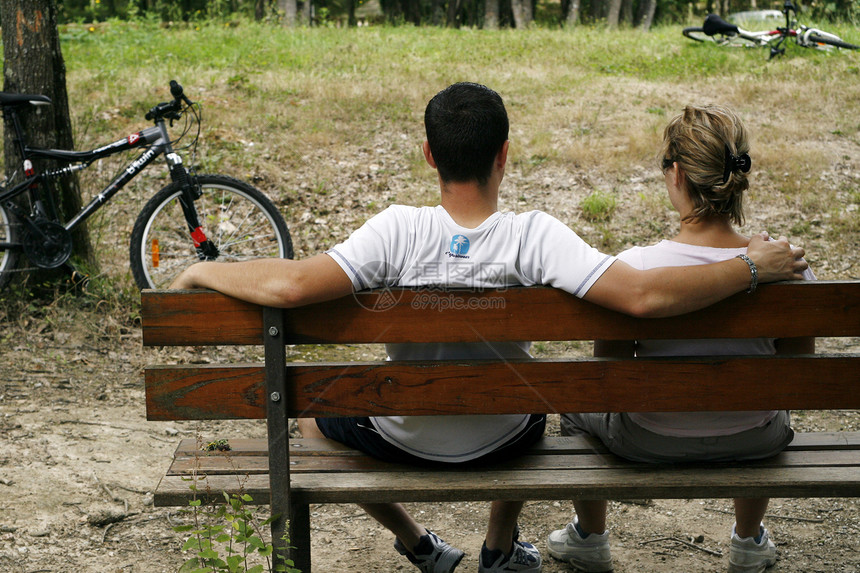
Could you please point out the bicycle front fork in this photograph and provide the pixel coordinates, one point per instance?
(206, 249)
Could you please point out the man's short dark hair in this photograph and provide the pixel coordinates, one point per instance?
(466, 125)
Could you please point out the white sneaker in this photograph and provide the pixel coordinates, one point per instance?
(747, 556)
(590, 554)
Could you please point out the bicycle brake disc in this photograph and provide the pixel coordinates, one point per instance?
(47, 244)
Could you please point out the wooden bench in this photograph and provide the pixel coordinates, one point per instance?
(290, 474)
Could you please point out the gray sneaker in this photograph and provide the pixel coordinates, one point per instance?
(747, 556)
(590, 554)
(432, 555)
(525, 558)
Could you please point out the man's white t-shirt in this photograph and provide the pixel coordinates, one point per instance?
(696, 424)
(423, 247)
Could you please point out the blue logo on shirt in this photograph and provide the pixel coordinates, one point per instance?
(459, 245)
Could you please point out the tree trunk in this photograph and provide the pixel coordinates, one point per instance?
(645, 15)
(259, 9)
(491, 14)
(572, 18)
(519, 10)
(307, 12)
(34, 64)
(613, 13)
(451, 17)
(288, 10)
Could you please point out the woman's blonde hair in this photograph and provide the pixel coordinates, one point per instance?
(710, 144)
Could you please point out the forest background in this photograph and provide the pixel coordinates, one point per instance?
(488, 14)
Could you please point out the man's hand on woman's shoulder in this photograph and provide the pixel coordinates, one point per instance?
(776, 260)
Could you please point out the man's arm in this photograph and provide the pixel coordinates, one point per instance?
(282, 283)
(669, 291)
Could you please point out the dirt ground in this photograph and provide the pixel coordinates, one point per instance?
(79, 461)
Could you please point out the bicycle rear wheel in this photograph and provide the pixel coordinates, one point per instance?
(241, 222)
(8, 257)
(698, 34)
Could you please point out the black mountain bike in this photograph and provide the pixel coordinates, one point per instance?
(717, 30)
(194, 218)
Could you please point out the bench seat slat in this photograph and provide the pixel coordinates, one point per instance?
(213, 465)
(672, 482)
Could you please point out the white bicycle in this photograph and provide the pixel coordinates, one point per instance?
(717, 30)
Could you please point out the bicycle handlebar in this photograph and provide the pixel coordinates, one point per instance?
(171, 109)
(177, 92)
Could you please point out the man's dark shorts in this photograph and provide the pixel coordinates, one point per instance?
(360, 434)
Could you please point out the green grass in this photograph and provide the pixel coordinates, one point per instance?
(331, 83)
(349, 78)
(328, 121)
(598, 206)
(115, 48)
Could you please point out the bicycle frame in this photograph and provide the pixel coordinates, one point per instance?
(156, 142)
(714, 26)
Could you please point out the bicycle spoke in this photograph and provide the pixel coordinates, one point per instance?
(239, 221)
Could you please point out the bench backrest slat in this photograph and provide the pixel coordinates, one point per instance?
(434, 388)
(821, 308)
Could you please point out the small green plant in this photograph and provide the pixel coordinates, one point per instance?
(598, 206)
(221, 445)
(227, 538)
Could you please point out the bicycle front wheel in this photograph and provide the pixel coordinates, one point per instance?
(241, 222)
(8, 256)
(824, 42)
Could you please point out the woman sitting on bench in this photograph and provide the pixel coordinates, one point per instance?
(705, 164)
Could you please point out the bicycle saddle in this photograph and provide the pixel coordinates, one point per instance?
(716, 25)
(7, 99)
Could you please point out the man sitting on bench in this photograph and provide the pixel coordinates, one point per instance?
(467, 243)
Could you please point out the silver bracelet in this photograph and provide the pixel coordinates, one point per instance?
(753, 273)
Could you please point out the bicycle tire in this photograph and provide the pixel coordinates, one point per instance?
(697, 34)
(241, 221)
(837, 42)
(8, 257)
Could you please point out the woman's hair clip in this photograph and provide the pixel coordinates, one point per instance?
(735, 163)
